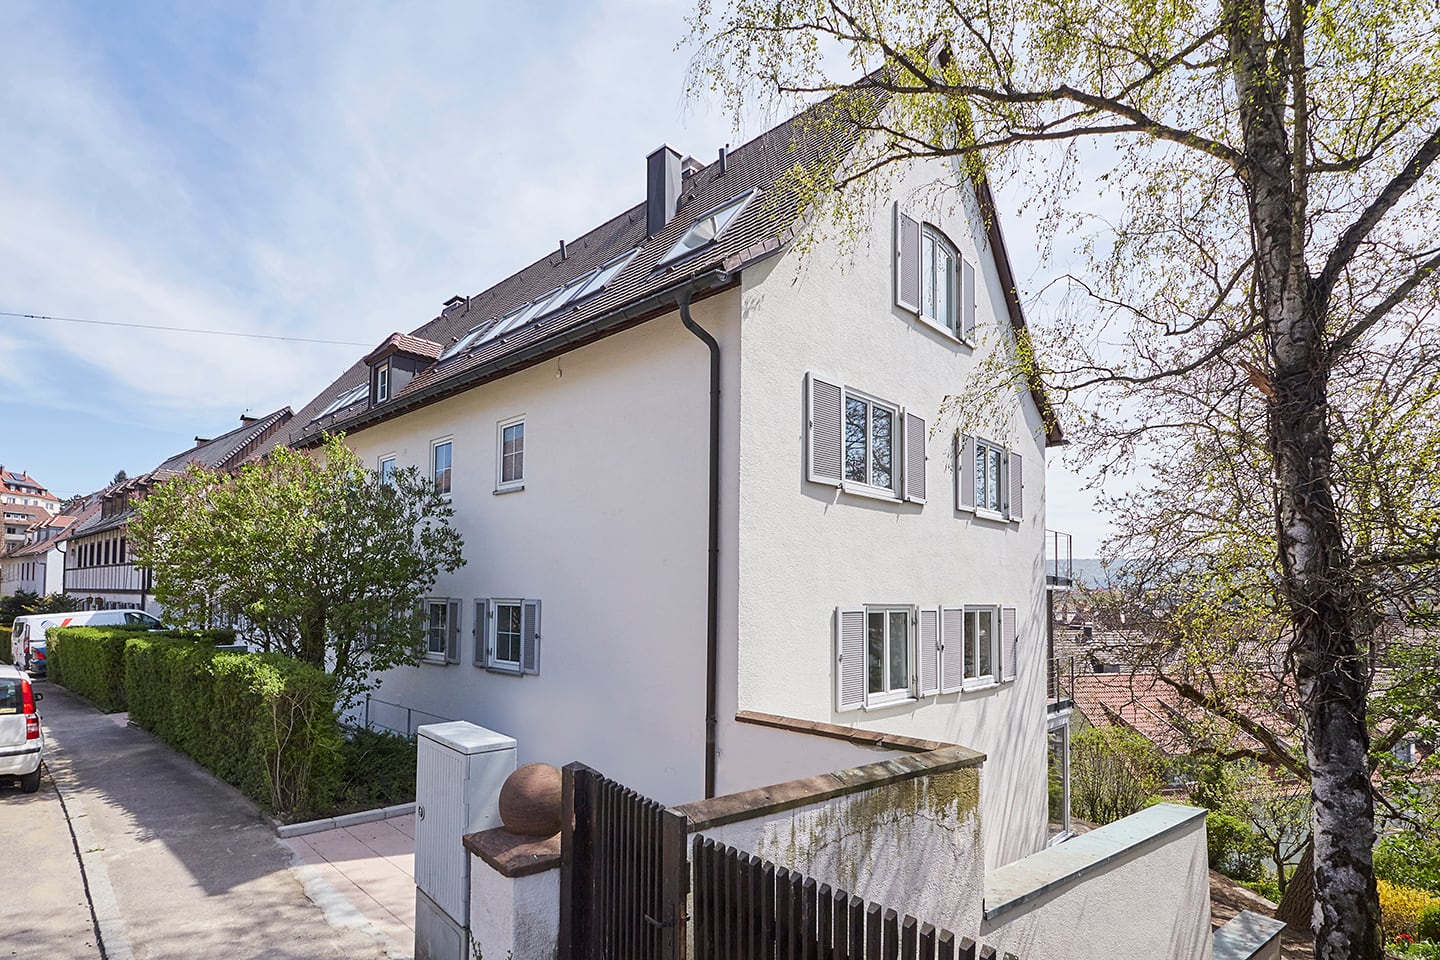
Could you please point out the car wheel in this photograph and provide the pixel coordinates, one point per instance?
(31, 781)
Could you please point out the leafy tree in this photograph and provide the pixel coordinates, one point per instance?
(23, 602)
(1113, 773)
(1268, 249)
(119, 475)
(324, 560)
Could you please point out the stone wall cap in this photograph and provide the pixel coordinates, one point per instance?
(513, 856)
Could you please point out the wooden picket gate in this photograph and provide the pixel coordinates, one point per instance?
(623, 872)
(748, 909)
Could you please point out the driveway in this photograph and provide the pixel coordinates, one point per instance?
(176, 863)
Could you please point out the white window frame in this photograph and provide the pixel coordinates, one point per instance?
(891, 695)
(492, 635)
(940, 245)
(979, 679)
(1060, 723)
(380, 468)
(382, 381)
(435, 446)
(897, 451)
(515, 483)
(982, 505)
(432, 655)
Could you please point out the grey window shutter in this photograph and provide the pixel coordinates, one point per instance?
(824, 430)
(1009, 643)
(952, 649)
(850, 659)
(907, 261)
(530, 637)
(967, 300)
(914, 474)
(452, 643)
(1017, 486)
(482, 633)
(964, 472)
(928, 643)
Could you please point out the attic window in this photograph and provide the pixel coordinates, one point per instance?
(382, 383)
(577, 289)
(344, 400)
(708, 227)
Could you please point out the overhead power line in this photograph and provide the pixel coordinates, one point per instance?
(213, 333)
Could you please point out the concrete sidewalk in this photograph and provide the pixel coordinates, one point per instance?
(179, 864)
(372, 867)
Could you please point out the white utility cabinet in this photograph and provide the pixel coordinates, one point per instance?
(458, 774)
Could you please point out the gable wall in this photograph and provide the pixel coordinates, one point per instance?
(805, 549)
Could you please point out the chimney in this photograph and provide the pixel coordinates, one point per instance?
(245, 418)
(662, 188)
(725, 158)
(201, 441)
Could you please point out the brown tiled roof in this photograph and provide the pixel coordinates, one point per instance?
(404, 343)
(1152, 708)
(36, 514)
(9, 479)
(766, 225)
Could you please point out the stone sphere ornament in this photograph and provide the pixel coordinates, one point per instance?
(530, 801)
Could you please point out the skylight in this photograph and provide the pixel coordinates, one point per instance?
(707, 227)
(345, 399)
(463, 344)
(580, 287)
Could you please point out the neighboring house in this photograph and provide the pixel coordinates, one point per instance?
(39, 565)
(19, 521)
(22, 489)
(865, 561)
(100, 571)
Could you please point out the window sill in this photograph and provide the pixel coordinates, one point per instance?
(869, 492)
(501, 491)
(437, 660)
(502, 669)
(980, 685)
(991, 515)
(890, 702)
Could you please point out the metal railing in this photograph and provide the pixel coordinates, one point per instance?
(1060, 682)
(1059, 559)
(392, 711)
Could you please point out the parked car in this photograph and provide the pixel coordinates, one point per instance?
(27, 641)
(22, 741)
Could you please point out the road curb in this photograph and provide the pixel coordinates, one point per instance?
(287, 830)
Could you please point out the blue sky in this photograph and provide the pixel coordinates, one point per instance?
(323, 170)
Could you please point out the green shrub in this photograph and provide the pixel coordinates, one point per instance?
(89, 661)
(1234, 848)
(1409, 861)
(1266, 886)
(378, 770)
(1113, 773)
(5, 645)
(1428, 927)
(262, 722)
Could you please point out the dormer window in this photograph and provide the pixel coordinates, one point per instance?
(708, 227)
(382, 383)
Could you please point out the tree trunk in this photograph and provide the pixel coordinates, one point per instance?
(1315, 579)
(1297, 906)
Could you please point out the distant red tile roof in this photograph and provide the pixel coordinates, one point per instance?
(1152, 708)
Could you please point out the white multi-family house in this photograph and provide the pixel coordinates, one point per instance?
(715, 488)
(37, 566)
(100, 569)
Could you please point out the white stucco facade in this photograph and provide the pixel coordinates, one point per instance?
(805, 549)
(609, 533)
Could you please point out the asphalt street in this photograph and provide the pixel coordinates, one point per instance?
(176, 863)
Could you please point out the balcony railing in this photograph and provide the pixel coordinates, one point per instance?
(1060, 683)
(1059, 559)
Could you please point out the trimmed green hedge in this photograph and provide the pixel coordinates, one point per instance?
(262, 722)
(89, 661)
(5, 645)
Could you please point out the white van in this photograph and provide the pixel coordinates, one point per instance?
(27, 641)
